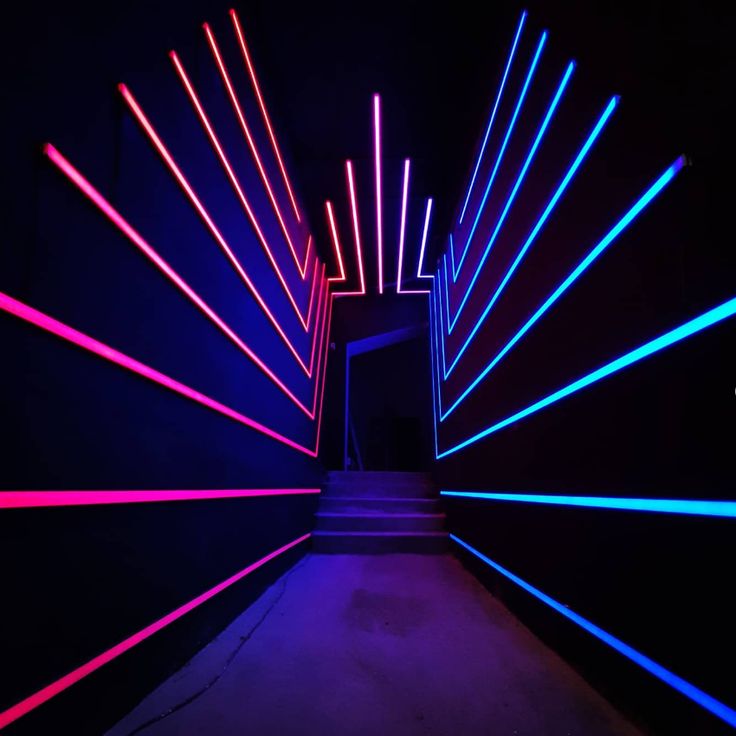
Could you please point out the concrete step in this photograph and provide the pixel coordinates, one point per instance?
(334, 542)
(372, 489)
(371, 476)
(380, 522)
(381, 505)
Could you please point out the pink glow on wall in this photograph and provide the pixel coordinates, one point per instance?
(235, 183)
(135, 237)
(44, 499)
(49, 324)
(45, 694)
(356, 231)
(181, 179)
(251, 144)
(264, 111)
(379, 193)
(335, 244)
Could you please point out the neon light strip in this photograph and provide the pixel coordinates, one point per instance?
(617, 229)
(46, 499)
(39, 698)
(493, 116)
(684, 687)
(702, 322)
(509, 131)
(324, 378)
(425, 230)
(235, 183)
(402, 234)
(536, 229)
(519, 180)
(166, 156)
(356, 232)
(251, 144)
(324, 335)
(264, 112)
(322, 281)
(658, 505)
(379, 195)
(49, 324)
(336, 244)
(434, 357)
(106, 208)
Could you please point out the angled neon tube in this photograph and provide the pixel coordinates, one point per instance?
(109, 211)
(207, 125)
(328, 322)
(356, 232)
(264, 112)
(49, 324)
(682, 686)
(335, 244)
(519, 180)
(425, 231)
(379, 194)
(322, 282)
(252, 145)
(493, 115)
(593, 254)
(51, 499)
(324, 335)
(199, 207)
(45, 694)
(434, 356)
(725, 509)
(402, 234)
(509, 131)
(536, 229)
(693, 326)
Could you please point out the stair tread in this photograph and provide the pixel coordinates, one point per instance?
(322, 533)
(378, 514)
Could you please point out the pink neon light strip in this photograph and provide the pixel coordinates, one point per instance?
(356, 232)
(425, 230)
(251, 143)
(264, 112)
(39, 698)
(135, 237)
(234, 181)
(49, 324)
(163, 152)
(46, 499)
(402, 233)
(379, 196)
(324, 380)
(317, 328)
(335, 243)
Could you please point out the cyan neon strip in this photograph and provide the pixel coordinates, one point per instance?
(612, 234)
(684, 687)
(519, 180)
(705, 320)
(537, 228)
(657, 505)
(509, 131)
(493, 115)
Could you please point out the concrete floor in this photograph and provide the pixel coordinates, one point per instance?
(376, 645)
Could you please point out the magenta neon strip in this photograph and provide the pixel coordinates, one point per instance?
(317, 328)
(135, 237)
(425, 230)
(379, 196)
(251, 144)
(43, 321)
(216, 234)
(402, 234)
(336, 244)
(356, 232)
(234, 182)
(45, 694)
(264, 112)
(46, 499)
(324, 379)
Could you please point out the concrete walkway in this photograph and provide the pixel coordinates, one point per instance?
(377, 645)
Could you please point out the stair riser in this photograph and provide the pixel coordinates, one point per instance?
(370, 490)
(380, 476)
(386, 506)
(379, 545)
(377, 523)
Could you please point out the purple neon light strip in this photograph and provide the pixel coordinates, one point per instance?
(336, 245)
(46, 499)
(58, 686)
(251, 144)
(402, 234)
(425, 231)
(207, 125)
(199, 207)
(356, 232)
(379, 193)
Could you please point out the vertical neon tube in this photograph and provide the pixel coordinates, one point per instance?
(379, 195)
(402, 224)
(356, 232)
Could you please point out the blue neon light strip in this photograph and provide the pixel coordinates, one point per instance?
(519, 180)
(612, 234)
(658, 505)
(501, 152)
(493, 115)
(721, 710)
(702, 322)
(539, 225)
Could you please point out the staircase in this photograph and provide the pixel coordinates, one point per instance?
(378, 513)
